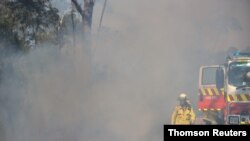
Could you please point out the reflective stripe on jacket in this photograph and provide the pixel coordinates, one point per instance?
(183, 115)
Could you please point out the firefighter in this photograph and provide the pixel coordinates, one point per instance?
(183, 113)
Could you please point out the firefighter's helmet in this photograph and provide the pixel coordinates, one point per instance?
(248, 75)
(183, 97)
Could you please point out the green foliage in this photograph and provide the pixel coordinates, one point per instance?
(27, 23)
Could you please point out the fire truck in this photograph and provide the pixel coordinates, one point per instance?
(224, 91)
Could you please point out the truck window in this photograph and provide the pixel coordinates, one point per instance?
(209, 76)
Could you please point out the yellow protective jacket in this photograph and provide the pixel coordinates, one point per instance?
(183, 115)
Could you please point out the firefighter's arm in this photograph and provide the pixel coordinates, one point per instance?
(193, 116)
(173, 116)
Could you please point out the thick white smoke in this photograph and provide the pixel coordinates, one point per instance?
(125, 88)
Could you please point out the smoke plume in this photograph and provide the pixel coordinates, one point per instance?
(125, 86)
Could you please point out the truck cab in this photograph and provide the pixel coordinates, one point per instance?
(225, 90)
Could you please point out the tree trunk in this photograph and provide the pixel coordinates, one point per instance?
(87, 17)
(86, 14)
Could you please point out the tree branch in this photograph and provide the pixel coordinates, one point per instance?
(78, 7)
